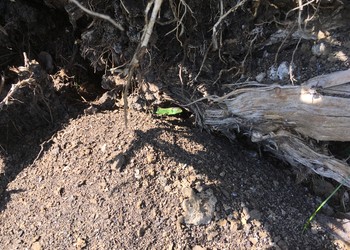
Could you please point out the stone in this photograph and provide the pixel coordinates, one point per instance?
(103, 148)
(234, 226)
(263, 234)
(226, 207)
(118, 162)
(222, 223)
(272, 73)
(137, 174)
(246, 228)
(256, 223)
(188, 192)
(211, 235)
(151, 157)
(283, 70)
(197, 247)
(321, 35)
(245, 215)
(319, 49)
(255, 214)
(81, 243)
(199, 208)
(141, 232)
(151, 172)
(192, 178)
(260, 77)
(36, 246)
(167, 188)
(199, 187)
(339, 56)
(90, 110)
(322, 187)
(253, 240)
(282, 244)
(107, 100)
(179, 222)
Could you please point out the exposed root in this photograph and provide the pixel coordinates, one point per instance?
(141, 50)
(222, 17)
(180, 27)
(15, 87)
(2, 83)
(99, 15)
(214, 43)
(291, 76)
(203, 61)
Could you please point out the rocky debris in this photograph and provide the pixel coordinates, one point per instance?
(322, 188)
(108, 100)
(118, 162)
(260, 77)
(197, 247)
(319, 49)
(211, 231)
(255, 214)
(199, 208)
(340, 228)
(280, 73)
(80, 243)
(36, 246)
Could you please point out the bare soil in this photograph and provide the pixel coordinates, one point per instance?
(97, 185)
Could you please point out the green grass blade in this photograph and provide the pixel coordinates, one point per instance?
(319, 207)
(168, 111)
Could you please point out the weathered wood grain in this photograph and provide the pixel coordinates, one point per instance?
(284, 118)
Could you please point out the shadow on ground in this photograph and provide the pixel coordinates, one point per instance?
(75, 192)
(262, 194)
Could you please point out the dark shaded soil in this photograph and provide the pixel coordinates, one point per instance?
(97, 185)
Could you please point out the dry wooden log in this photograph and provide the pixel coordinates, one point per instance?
(296, 152)
(308, 109)
(288, 116)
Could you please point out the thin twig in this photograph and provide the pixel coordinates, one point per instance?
(300, 6)
(222, 17)
(99, 15)
(2, 82)
(291, 76)
(41, 150)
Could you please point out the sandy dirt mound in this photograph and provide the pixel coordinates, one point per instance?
(157, 185)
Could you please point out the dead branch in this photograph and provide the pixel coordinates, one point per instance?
(284, 118)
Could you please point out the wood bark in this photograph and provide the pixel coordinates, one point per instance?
(285, 118)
